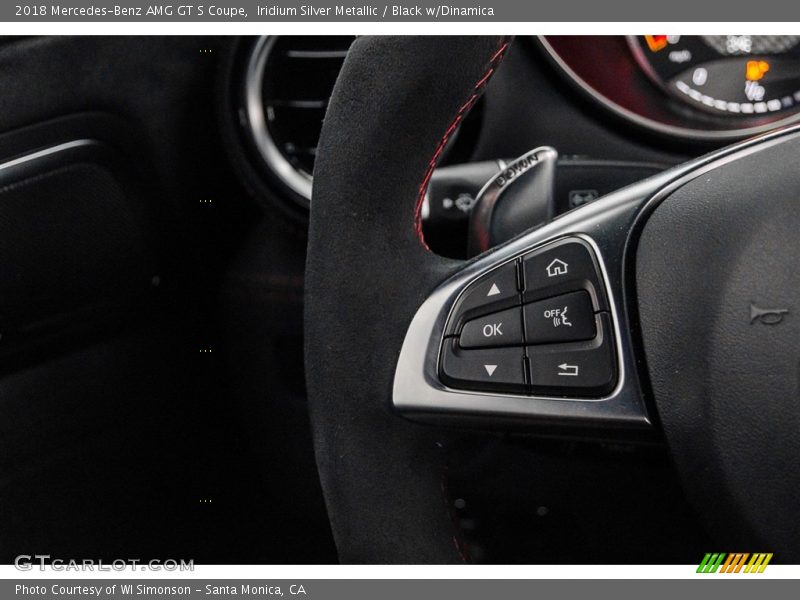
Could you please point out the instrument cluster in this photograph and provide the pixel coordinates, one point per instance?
(712, 87)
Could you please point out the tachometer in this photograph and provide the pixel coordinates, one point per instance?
(730, 75)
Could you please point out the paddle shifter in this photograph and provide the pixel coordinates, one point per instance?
(472, 207)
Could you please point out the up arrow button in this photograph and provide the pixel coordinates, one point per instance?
(493, 292)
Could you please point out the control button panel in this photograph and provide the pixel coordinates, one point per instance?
(502, 328)
(536, 325)
(564, 318)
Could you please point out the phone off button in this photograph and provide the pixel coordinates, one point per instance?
(565, 318)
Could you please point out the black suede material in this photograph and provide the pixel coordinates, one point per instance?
(366, 275)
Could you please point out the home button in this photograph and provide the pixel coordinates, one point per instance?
(562, 267)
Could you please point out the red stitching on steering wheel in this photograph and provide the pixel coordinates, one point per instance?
(494, 61)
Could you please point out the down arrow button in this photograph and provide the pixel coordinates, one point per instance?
(493, 369)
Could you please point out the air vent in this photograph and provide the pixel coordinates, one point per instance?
(289, 80)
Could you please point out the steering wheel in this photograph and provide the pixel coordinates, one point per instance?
(667, 307)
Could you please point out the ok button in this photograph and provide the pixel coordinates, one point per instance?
(497, 329)
(492, 329)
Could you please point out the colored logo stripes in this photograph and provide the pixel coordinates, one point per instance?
(734, 562)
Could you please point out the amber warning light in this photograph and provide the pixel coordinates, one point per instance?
(756, 69)
(656, 42)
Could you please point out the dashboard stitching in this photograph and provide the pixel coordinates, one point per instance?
(494, 61)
